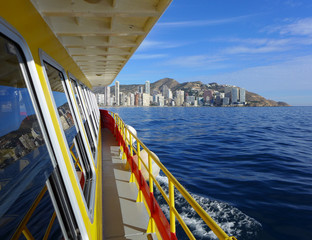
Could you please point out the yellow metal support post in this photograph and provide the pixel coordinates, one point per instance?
(151, 222)
(140, 195)
(27, 234)
(131, 148)
(150, 170)
(171, 201)
(151, 226)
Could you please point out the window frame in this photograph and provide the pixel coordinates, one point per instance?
(45, 58)
(89, 119)
(73, 83)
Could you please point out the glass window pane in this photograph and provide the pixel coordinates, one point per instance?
(66, 117)
(25, 163)
(80, 108)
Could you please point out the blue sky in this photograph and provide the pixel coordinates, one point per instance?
(264, 46)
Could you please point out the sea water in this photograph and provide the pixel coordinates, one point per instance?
(249, 168)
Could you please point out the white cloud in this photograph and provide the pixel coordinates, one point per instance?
(197, 61)
(299, 27)
(200, 23)
(149, 44)
(252, 50)
(265, 45)
(293, 3)
(148, 56)
(291, 75)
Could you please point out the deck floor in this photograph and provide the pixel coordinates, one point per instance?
(123, 217)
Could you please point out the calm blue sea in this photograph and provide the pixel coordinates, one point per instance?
(250, 168)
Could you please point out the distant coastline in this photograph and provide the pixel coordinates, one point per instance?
(169, 92)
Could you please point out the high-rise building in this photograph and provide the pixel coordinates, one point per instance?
(228, 92)
(148, 87)
(235, 95)
(208, 95)
(117, 101)
(131, 99)
(242, 95)
(190, 100)
(161, 100)
(140, 89)
(122, 99)
(146, 99)
(107, 101)
(226, 101)
(180, 98)
(100, 99)
(167, 93)
(136, 99)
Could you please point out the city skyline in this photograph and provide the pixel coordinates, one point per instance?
(228, 96)
(263, 46)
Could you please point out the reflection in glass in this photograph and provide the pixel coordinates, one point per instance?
(24, 159)
(78, 101)
(66, 117)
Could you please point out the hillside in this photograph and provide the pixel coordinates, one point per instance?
(194, 89)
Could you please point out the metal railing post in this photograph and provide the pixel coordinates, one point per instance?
(131, 148)
(171, 201)
(140, 195)
(150, 170)
(151, 223)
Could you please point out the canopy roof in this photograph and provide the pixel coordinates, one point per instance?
(101, 35)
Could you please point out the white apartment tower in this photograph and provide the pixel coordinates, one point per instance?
(180, 98)
(147, 87)
(145, 99)
(117, 93)
(107, 101)
(242, 95)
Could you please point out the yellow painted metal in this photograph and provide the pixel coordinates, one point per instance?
(140, 194)
(75, 158)
(132, 178)
(173, 183)
(46, 235)
(27, 234)
(171, 201)
(150, 171)
(97, 225)
(131, 147)
(151, 226)
(25, 220)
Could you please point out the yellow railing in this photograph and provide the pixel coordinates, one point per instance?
(173, 184)
(22, 228)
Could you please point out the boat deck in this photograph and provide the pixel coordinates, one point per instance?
(123, 217)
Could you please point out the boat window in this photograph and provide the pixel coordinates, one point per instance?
(80, 108)
(91, 112)
(82, 113)
(25, 163)
(73, 137)
(86, 100)
(66, 117)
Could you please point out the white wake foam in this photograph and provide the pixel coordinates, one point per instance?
(230, 219)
